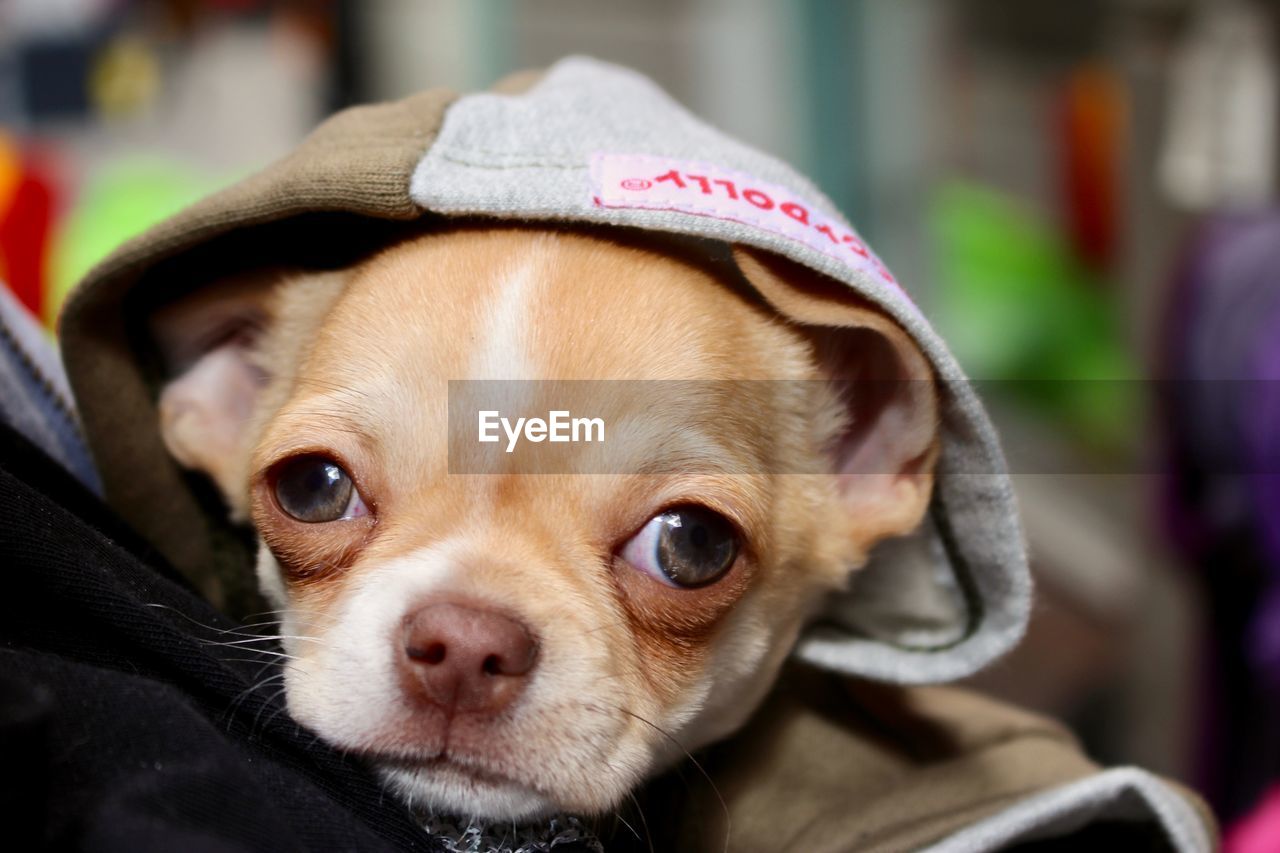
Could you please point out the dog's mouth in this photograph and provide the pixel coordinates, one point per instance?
(453, 767)
(459, 772)
(447, 785)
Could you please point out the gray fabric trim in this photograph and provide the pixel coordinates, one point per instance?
(34, 396)
(1121, 794)
(530, 157)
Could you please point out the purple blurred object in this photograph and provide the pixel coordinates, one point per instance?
(1221, 399)
(1225, 396)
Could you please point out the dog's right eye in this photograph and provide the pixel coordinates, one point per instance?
(315, 489)
(686, 546)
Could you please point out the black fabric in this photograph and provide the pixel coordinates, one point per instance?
(123, 725)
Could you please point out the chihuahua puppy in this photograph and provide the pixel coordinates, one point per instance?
(505, 646)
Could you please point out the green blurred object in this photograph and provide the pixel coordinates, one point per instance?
(1018, 308)
(121, 200)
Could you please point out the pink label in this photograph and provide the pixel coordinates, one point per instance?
(661, 183)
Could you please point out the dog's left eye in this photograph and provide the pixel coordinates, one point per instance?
(685, 546)
(315, 489)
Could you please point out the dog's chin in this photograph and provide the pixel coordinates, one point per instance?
(441, 786)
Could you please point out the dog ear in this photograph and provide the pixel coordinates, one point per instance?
(886, 443)
(207, 342)
(220, 346)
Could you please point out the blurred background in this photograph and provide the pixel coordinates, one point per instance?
(1081, 195)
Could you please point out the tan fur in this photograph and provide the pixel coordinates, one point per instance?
(631, 671)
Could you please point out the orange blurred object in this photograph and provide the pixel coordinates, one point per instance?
(1093, 133)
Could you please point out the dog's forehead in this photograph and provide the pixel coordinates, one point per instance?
(523, 304)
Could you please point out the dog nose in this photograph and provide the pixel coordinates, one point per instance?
(466, 658)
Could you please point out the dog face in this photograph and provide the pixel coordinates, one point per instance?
(505, 644)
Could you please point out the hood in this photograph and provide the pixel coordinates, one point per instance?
(585, 142)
